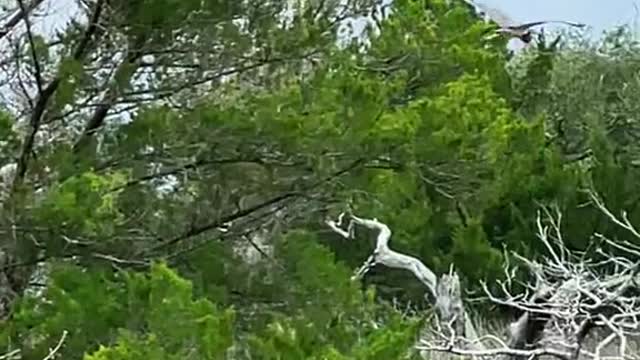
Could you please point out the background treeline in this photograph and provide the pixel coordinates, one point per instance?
(169, 165)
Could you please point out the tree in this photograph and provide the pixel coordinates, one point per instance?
(212, 138)
(79, 91)
(572, 296)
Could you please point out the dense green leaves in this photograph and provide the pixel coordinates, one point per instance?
(129, 315)
(84, 204)
(223, 133)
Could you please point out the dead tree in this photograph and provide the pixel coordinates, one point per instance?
(573, 298)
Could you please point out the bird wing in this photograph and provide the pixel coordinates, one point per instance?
(505, 21)
(528, 25)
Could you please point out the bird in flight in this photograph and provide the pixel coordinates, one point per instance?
(509, 27)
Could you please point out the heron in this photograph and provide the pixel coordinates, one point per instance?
(508, 27)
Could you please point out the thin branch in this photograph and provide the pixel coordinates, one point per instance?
(32, 46)
(194, 165)
(528, 354)
(198, 230)
(119, 261)
(13, 354)
(53, 351)
(172, 90)
(124, 72)
(177, 170)
(383, 254)
(624, 223)
(45, 96)
(17, 17)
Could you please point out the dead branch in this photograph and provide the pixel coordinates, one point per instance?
(446, 291)
(32, 46)
(383, 254)
(571, 297)
(16, 354)
(52, 353)
(11, 355)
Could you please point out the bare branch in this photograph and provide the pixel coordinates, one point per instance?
(54, 351)
(492, 353)
(18, 16)
(11, 355)
(383, 254)
(46, 94)
(624, 223)
(125, 71)
(572, 295)
(32, 46)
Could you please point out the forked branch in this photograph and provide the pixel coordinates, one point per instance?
(570, 297)
(383, 254)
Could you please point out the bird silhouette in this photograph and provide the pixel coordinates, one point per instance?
(508, 27)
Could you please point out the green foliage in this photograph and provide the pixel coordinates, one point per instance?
(121, 312)
(71, 75)
(7, 138)
(329, 316)
(255, 121)
(293, 339)
(86, 203)
(176, 326)
(313, 267)
(470, 243)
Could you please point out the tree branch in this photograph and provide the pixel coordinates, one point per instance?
(494, 353)
(189, 166)
(34, 55)
(17, 17)
(198, 230)
(571, 296)
(52, 353)
(383, 254)
(46, 94)
(124, 72)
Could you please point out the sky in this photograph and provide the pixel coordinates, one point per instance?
(599, 15)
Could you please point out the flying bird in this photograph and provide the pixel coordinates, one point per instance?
(509, 27)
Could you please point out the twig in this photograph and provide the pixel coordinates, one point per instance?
(53, 351)
(528, 354)
(17, 17)
(45, 96)
(34, 54)
(13, 354)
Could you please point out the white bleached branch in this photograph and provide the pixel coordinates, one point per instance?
(52, 352)
(572, 295)
(383, 254)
